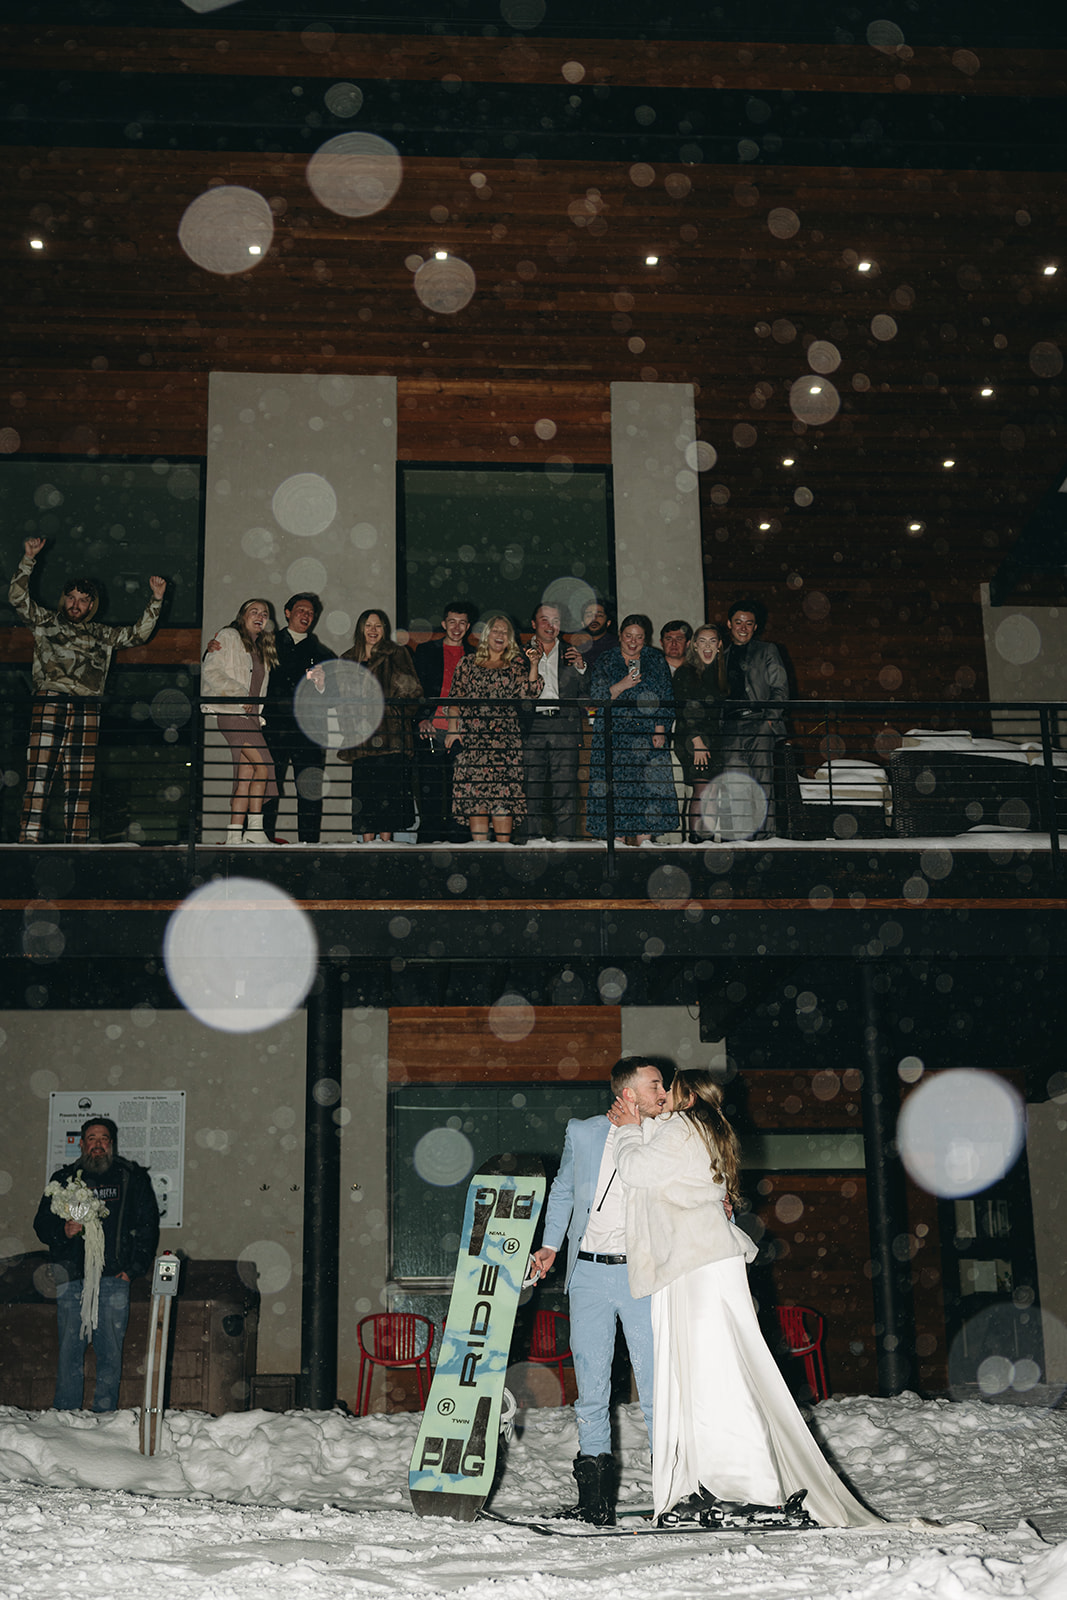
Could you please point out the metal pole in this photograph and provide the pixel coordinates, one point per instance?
(1047, 792)
(322, 1193)
(609, 788)
(165, 1277)
(887, 1211)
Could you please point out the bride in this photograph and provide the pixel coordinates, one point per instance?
(725, 1424)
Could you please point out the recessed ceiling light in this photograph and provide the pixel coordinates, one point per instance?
(1050, 271)
(915, 527)
(36, 244)
(255, 249)
(986, 392)
(815, 388)
(788, 461)
(652, 261)
(764, 527)
(864, 266)
(440, 255)
(949, 462)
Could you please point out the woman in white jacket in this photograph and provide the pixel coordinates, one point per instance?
(726, 1427)
(237, 662)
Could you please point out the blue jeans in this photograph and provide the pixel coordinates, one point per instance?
(107, 1341)
(599, 1298)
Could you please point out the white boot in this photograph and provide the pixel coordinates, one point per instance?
(234, 835)
(254, 828)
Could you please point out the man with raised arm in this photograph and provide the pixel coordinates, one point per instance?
(71, 657)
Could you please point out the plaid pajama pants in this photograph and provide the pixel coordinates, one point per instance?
(63, 733)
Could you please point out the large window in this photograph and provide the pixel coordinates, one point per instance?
(115, 521)
(440, 1136)
(504, 538)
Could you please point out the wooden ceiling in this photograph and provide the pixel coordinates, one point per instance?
(726, 160)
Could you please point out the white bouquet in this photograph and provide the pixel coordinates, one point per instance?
(74, 1201)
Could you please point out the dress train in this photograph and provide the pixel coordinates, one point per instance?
(723, 1415)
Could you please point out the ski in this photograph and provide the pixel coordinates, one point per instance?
(455, 1453)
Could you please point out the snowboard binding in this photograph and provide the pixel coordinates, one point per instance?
(705, 1510)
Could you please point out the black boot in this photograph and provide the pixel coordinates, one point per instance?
(595, 1477)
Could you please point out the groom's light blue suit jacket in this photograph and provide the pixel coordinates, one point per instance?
(570, 1201)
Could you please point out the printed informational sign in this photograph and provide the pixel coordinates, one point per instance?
(151, 1124)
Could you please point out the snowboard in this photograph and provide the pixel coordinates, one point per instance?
(454, 1459)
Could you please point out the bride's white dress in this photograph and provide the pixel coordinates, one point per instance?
(723, 1415)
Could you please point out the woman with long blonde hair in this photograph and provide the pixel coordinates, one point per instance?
(484, 737)
(237, 663)
(728, 1439)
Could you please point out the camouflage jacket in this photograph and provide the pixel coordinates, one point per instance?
(73, 657)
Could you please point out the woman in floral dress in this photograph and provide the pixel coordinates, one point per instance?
(487, 776)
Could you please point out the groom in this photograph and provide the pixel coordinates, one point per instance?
(586, 1204)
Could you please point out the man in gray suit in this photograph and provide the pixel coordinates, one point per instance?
(586, 1205)
(755, 673)
(552, 732)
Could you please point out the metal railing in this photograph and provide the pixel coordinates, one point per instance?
(841, 770)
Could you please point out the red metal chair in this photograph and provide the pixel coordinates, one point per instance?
(394, 1339)
(549, 1347)
(802, 1328)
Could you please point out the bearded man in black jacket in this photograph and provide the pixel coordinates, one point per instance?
(131, 1234)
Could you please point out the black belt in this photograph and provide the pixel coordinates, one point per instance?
(602, 1261)
(547, 711)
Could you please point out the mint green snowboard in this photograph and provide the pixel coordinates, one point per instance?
(454, 1458)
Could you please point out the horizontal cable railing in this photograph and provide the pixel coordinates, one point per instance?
(575, 770)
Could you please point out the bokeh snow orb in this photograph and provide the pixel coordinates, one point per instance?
(306, 575)
(445, 286)
(733, 806)
(304, 504)
(535, 1387)
(1046, 359)
(522, 14)
(885, 35)
(814, 401)
(345, 711)
(240, 955)
(700, 455)
(1018, 639)
(355, 174)
(265, 1265)
(570, 596)
(1005, 1350)
(511, 1017)
(782, 222)
(343, 99)
(961, 1131)
(227, 230)
(823, 356)
(443, 1157)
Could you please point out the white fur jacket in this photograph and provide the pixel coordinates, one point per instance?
(228, 671)
(675, 1220)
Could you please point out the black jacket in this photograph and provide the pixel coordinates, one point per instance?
(430, 666)
(131, 1228)
(295, 658)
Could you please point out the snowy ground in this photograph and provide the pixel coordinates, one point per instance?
(313, 1504)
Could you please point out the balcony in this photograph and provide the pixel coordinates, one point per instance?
(890, 840)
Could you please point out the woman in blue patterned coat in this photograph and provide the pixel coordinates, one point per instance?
(636, 679)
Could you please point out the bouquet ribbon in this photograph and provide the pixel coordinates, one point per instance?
(74, 1201)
